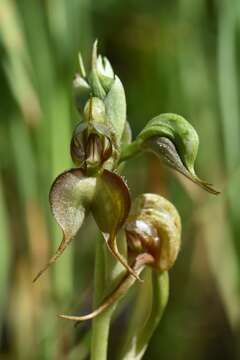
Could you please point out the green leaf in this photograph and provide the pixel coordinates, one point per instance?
(152, 298)
(110, 208)
(70, 198)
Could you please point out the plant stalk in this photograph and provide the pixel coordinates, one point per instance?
(107, 270)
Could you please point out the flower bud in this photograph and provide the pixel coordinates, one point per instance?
(81, 90)
(105, 72)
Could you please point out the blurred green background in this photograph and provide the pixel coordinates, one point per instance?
(178, 56)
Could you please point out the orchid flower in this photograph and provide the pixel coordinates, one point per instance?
(100, 144)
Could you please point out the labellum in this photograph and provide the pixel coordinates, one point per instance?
(154, 227)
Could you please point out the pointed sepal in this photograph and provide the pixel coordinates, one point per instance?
(70, 197)
(121, 289)
(110, 208)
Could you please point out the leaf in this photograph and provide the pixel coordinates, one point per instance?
(110, 208)
(69, 197)
(152, 299)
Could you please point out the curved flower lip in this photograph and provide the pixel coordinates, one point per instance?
(121, 289)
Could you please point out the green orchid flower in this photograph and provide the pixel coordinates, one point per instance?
(100, 144)
(153, 233)
(175, 141)
(95, 185)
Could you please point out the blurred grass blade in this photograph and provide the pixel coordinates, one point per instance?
(5, 255)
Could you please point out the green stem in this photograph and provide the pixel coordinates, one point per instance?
(130, 151)
(100, 325)
(107, 270)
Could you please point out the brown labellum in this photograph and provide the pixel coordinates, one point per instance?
(154, 227)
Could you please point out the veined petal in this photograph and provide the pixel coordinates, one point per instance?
(110, 208)
(174, 140)
(167, 152)
(69, 197)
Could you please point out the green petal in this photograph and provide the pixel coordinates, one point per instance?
(126, 135)
(175, 141)
(69, 197)
(110, 208)
(81, 92)
(166, 151)
(116, 107)
(105, 72)
(179, 131)
(96, 86)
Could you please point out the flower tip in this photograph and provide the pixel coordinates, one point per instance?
(94, 53)
(208, 187)
(81, 65)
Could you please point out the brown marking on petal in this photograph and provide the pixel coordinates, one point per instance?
(165, 149)
(69, 197)
(110, 208)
